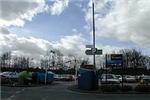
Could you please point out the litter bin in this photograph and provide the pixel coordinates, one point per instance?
(87, 79)
(41, 77)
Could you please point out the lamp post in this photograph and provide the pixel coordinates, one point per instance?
(45, 64)
(93, 35)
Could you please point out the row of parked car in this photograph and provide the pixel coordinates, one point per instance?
(26, 77)
(34, 77)
(117, 79)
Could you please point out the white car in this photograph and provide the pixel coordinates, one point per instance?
(119, 77)
(9, 74)
(129, 78)
(110, 79)
(145, 79)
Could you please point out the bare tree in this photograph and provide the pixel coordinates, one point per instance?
(133, 58)
(59, 57)
(21, 62)
(5, 59)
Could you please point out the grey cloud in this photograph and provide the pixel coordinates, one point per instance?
(4, 30)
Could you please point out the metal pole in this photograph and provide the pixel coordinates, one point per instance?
(45, 70)
(122, 66)
(45, 75)
(93, 36)
(106, 67)
(76, 69)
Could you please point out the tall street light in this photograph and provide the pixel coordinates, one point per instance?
(93, 35)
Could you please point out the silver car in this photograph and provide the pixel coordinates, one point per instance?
(109, 79)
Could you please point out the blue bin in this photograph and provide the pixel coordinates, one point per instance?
(41, 77)
(87, 79)
(50, 77)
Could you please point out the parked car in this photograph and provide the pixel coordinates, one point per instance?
(129, 79)
(64, 77)
(119, 77)
(9, 74)
(9, 77)
(122, 78)
(145, 79)
(109, 79)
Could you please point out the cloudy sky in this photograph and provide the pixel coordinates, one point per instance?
(31, 27)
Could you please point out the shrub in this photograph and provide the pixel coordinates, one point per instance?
(109, 88)
(142, 88)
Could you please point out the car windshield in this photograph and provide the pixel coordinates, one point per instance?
(118, 76)
(110, 77)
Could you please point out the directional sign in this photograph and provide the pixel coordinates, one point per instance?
(90, 52)
(99, 52)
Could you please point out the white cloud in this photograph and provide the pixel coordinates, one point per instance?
(36, 47)
(125, 20)
(71, 45)
(58, 7)
(16, 12)
(33, 47)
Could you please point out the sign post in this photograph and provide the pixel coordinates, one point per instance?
(93, 51)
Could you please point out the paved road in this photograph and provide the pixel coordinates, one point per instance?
(60, 92)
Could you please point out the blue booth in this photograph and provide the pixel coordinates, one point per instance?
(87, 79)
(41, 77)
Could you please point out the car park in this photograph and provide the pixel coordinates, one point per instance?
(109, 79)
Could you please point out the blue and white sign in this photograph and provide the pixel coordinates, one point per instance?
(115, 59)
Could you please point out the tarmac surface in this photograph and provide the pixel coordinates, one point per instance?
(60, 91)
